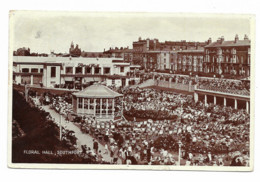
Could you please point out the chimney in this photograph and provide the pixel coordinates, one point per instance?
(236, 38)
(147, 44)
(222, 39)
(246, 37)
(140, 39)
(154, 41)
(209, 41)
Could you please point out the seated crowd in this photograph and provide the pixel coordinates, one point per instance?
(210, 135)
(159, 122)
(215, 84)
(233, 87)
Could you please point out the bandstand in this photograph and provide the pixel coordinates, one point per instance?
(98, 101)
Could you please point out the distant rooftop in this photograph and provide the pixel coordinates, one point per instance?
(230, 43)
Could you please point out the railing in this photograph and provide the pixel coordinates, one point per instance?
(228, 91)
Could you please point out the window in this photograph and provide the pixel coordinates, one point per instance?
(25, 70)
(91, 104)
(106, 70)
(53, 72)
(69, 70)
(98, 106)
(34, 70)
(85, 103)
(88, 70)
(80, 103)
(122, 69)
(78, 70)
(97, 70)
(41, 70)
(110, 104)
(113, 81)
(104, 106)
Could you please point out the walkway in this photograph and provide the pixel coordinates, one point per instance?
(83, 138)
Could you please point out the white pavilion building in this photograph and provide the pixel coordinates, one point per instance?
(99, 101)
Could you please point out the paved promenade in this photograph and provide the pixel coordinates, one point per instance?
(83, 138)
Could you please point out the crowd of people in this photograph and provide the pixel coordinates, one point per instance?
(209, 135)
(149, 103)
(159, 122)
(221, 85)
(215, 84)
(60, 104)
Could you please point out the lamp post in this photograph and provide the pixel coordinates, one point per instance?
(179, 158)
(60, 127)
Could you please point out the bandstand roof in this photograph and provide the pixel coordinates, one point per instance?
(97, 91)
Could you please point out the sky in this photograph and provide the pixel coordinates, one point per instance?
(46, 31)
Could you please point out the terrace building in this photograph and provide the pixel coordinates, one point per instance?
(228, 57)
(190, 61)
(51, 71)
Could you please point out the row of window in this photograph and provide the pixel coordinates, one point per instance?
(88, 70)
(90, 103)
(227, 59)
(69, 70)
(33, 70)
(36, 70)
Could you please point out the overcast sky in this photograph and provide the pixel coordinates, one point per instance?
(42, 32)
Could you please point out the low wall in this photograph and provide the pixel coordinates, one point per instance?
(173, 85)
(41, 90)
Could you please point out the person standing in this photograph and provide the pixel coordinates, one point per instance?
(95, 146)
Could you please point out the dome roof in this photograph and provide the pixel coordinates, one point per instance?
(97, 91)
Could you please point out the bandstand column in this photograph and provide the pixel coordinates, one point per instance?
(225, 101)
(215, 100)
(247, 106)
(107, 109)
(83, 105)
(101, 107)
(88, 103)
(205, 99)
(235, 103)
(113, 108)
(95, 107)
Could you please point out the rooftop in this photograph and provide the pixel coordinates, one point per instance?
(192, 51)
(230, 43)
(66, 60)
(97, 91)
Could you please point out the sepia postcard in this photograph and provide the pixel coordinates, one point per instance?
(153, 91)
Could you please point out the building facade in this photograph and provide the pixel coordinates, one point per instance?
(228, 57)
(163, 56)
(125, 53)
(189, 61)
(160, 60)
(51, 71)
